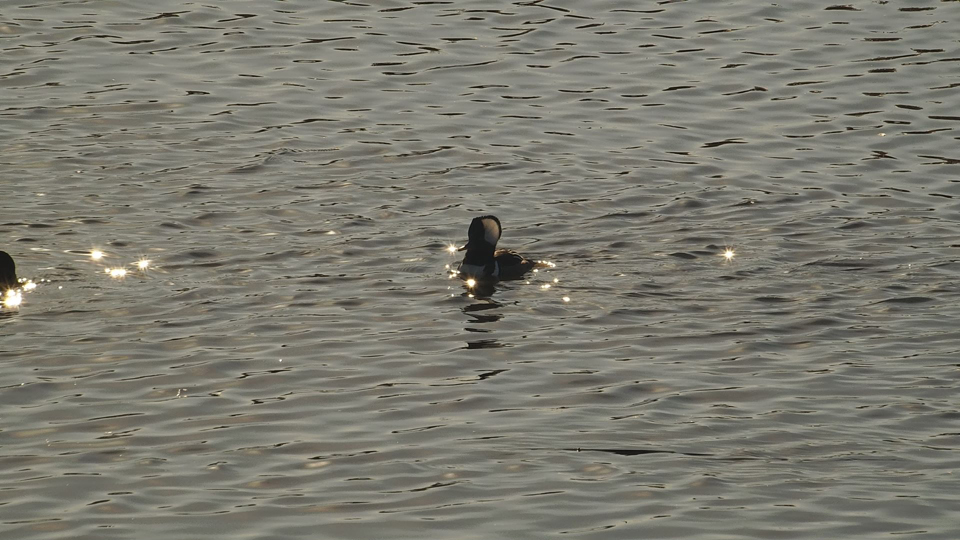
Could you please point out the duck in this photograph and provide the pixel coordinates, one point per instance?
(8, 272)
(483, 261)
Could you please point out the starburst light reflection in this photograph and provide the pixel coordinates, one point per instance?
(143, 264)
(728, 254)
(12, 298)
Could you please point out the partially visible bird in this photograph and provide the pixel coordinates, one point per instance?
(8, 272)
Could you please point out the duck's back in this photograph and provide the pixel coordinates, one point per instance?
(512, 264)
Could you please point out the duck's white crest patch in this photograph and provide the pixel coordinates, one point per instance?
(491, 231)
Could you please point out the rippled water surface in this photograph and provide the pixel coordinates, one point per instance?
(296, 363)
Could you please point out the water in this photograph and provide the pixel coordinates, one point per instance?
(296, 363)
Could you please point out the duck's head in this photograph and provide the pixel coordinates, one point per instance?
(484, 233)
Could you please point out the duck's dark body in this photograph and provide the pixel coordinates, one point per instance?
(8, 272)
(483, 261)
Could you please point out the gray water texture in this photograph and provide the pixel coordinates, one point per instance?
(295, 361)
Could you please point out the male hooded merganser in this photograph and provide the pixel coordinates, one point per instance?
(8, 272)
(483, 261)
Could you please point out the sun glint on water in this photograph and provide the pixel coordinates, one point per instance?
(12, 298)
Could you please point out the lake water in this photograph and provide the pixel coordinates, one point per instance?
(296, 363)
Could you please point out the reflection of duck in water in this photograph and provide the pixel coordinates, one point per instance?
(8, 273)
(483, 261)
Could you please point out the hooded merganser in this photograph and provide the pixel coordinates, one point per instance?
(483, 261)
(8, 272)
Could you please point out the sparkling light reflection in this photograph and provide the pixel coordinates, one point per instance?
(12, 298)
(96, 254)
(143, 264)
(117, 273)
(471, 283)
(452, 248)
(728, 254)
